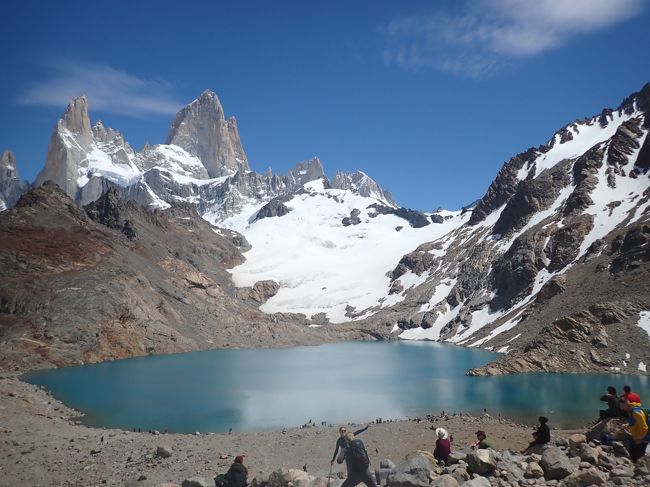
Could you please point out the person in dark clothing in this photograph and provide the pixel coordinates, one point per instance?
(356, 459)
(237, 473)
(341, 443)
(542, 434)
(443, 446)
(613, 410)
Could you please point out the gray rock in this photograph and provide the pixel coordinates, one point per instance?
(588, 454)
(445, 481)
(481, 461)
(460, 474)
(164, 451)
(477, 482)
(576, 440)
(417, 479)
(534, 471)
(621, 472)
(197, 482)
(457, 456)
(382, 474)
(583, 478)
(556, 464)
(387, 463)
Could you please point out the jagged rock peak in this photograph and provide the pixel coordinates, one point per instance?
(76, 118)
(202, 130)
(364, 185)
(8, 161)
(11, 187)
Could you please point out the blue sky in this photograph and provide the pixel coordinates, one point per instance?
(427, 97)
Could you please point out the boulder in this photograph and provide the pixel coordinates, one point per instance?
(457, 456)
(445, 481)
(556, 464)
(382, 474)
(612, 426)
(576, 440)
(590, 476)
(621, 472)
(283, 477)
(197, 482)
(534, 471)
(642, 466)
(164, 451)
(401, 479)
(481, 461)
(477, 482)
(588, 454)
(460, 474)
(619, 450)
(387, 463)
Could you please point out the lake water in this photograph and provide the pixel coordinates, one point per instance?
(251, 390)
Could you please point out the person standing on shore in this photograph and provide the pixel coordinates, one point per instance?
(638, 428)
(341, 443)
(358, 463)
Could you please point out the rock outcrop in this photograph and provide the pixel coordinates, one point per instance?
(11, 187)
(203, 131)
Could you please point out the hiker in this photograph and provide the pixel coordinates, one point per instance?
(482, 441)
(340, 443)
(613, 410)
(638, 428)
(542, 435)
(630, 396)
(237, 473)
(358, 463)
(443, 446)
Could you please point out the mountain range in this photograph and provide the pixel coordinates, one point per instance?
(181, 246)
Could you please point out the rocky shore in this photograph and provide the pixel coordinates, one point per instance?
(42, 444)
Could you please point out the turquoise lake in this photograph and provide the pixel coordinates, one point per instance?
(253, 390)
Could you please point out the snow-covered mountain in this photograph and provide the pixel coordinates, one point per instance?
(203, 162)
(541, 263)
(553, 261)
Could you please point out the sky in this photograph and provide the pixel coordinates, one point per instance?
(429, 98)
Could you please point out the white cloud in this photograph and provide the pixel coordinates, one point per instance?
(108, 89)
(483, 35)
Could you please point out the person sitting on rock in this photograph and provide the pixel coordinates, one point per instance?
(613, 410)
(358, 463)
(482, 441)
(638, 428)
(443, 446)
(630, 396)
(542, 434)
(237, 473)
(341, 444)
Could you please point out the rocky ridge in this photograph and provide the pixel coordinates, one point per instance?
(113, 280)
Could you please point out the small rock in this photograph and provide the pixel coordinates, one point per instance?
(534, 471)
(164, 451)
(477, 482)
(445, 481)
(196, 482)
(621, 472)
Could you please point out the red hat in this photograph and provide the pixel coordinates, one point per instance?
(633, 397)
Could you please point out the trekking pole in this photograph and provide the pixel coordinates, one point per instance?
(329, 477)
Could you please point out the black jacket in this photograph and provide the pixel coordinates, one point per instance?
(236, 475)
(340, 442)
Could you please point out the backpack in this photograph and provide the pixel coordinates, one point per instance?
(357, 456)
(221, 480)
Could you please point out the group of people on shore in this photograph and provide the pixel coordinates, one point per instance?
(352, 451)
(628, 405)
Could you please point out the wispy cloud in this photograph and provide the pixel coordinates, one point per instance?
(482, 36)
(108, 89)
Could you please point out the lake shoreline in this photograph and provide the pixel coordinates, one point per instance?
(43, 445)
